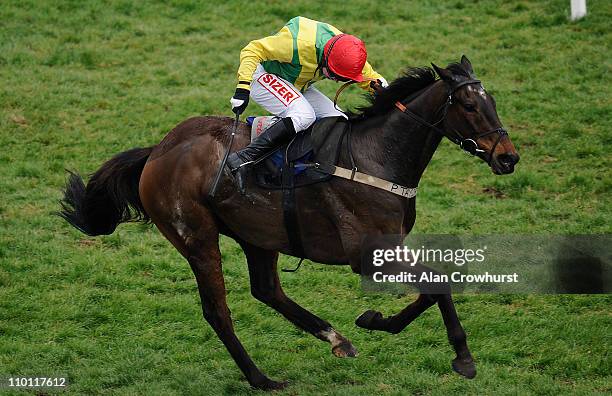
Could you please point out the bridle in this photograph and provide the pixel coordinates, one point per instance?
(469, 145)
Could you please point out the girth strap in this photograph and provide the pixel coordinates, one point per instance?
(359, 177)
(290, 218)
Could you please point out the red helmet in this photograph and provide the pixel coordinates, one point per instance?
(345, 56)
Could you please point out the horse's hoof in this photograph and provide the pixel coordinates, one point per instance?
(345, 349)
(465, 367)
(269, 385)
(370, 320)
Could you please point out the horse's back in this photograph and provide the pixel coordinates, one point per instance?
(191, 129)
(183, 165)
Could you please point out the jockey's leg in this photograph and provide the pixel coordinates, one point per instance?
(322, 105)
(283, 99)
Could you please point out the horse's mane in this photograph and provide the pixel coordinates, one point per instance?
(412, 80)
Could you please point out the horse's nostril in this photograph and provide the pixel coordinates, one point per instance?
(508, 159)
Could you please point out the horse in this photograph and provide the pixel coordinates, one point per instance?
(393, 138)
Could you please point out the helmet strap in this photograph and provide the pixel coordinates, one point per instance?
(331, 46)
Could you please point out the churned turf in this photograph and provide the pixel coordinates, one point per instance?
(82, 81)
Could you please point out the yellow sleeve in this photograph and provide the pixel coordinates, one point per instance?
(368, 72)
(334, 29)
(278, 47)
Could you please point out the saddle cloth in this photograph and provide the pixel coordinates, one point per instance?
(319, 143)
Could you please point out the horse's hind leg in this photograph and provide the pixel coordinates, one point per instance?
(201, 248)
(266, 287)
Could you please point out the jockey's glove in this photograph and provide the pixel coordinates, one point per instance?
(380, 82)
(240, 100)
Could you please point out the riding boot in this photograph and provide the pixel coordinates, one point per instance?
(276, 135)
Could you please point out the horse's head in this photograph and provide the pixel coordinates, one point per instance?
(471, 118)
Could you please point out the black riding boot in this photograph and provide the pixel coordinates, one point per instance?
(273, 137)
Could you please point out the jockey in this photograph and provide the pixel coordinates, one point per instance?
(278, 72)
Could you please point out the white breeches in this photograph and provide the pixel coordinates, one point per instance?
(283, 99)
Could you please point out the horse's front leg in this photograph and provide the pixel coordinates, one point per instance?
(463, 363)
(374, 320)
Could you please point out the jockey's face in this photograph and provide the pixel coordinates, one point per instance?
(328, 74)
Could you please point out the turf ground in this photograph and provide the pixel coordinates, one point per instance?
(82, 81)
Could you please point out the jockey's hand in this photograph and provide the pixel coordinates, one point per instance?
(379, 83)
(240, 100)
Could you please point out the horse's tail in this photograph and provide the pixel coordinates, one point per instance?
(111, 196)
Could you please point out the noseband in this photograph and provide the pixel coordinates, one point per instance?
(469, 145)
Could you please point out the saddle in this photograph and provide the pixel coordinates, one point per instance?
(320, 143)
(291, 167)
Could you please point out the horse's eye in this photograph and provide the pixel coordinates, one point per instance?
(469, 107)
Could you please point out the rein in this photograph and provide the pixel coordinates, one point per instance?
(343, 87)
(470, 145)
(339, 91)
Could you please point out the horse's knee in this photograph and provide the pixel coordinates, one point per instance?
(217, 315)
(217, 322)
(430, 299)
(260, 295)
(266, 296)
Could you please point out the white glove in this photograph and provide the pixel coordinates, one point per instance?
(240, 100)
(236, 102)
(383, 82)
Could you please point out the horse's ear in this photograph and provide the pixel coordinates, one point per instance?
(467, 65)
(444, 74)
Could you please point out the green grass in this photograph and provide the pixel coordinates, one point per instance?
(82, 81)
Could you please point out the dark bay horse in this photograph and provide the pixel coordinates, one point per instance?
(168, 184)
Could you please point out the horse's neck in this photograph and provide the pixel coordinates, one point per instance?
(409, 155)
(394, 146)
(408, 145)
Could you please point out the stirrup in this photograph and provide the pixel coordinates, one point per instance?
(245, 164)
(239, 167)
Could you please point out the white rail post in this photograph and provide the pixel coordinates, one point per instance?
(578, 9)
